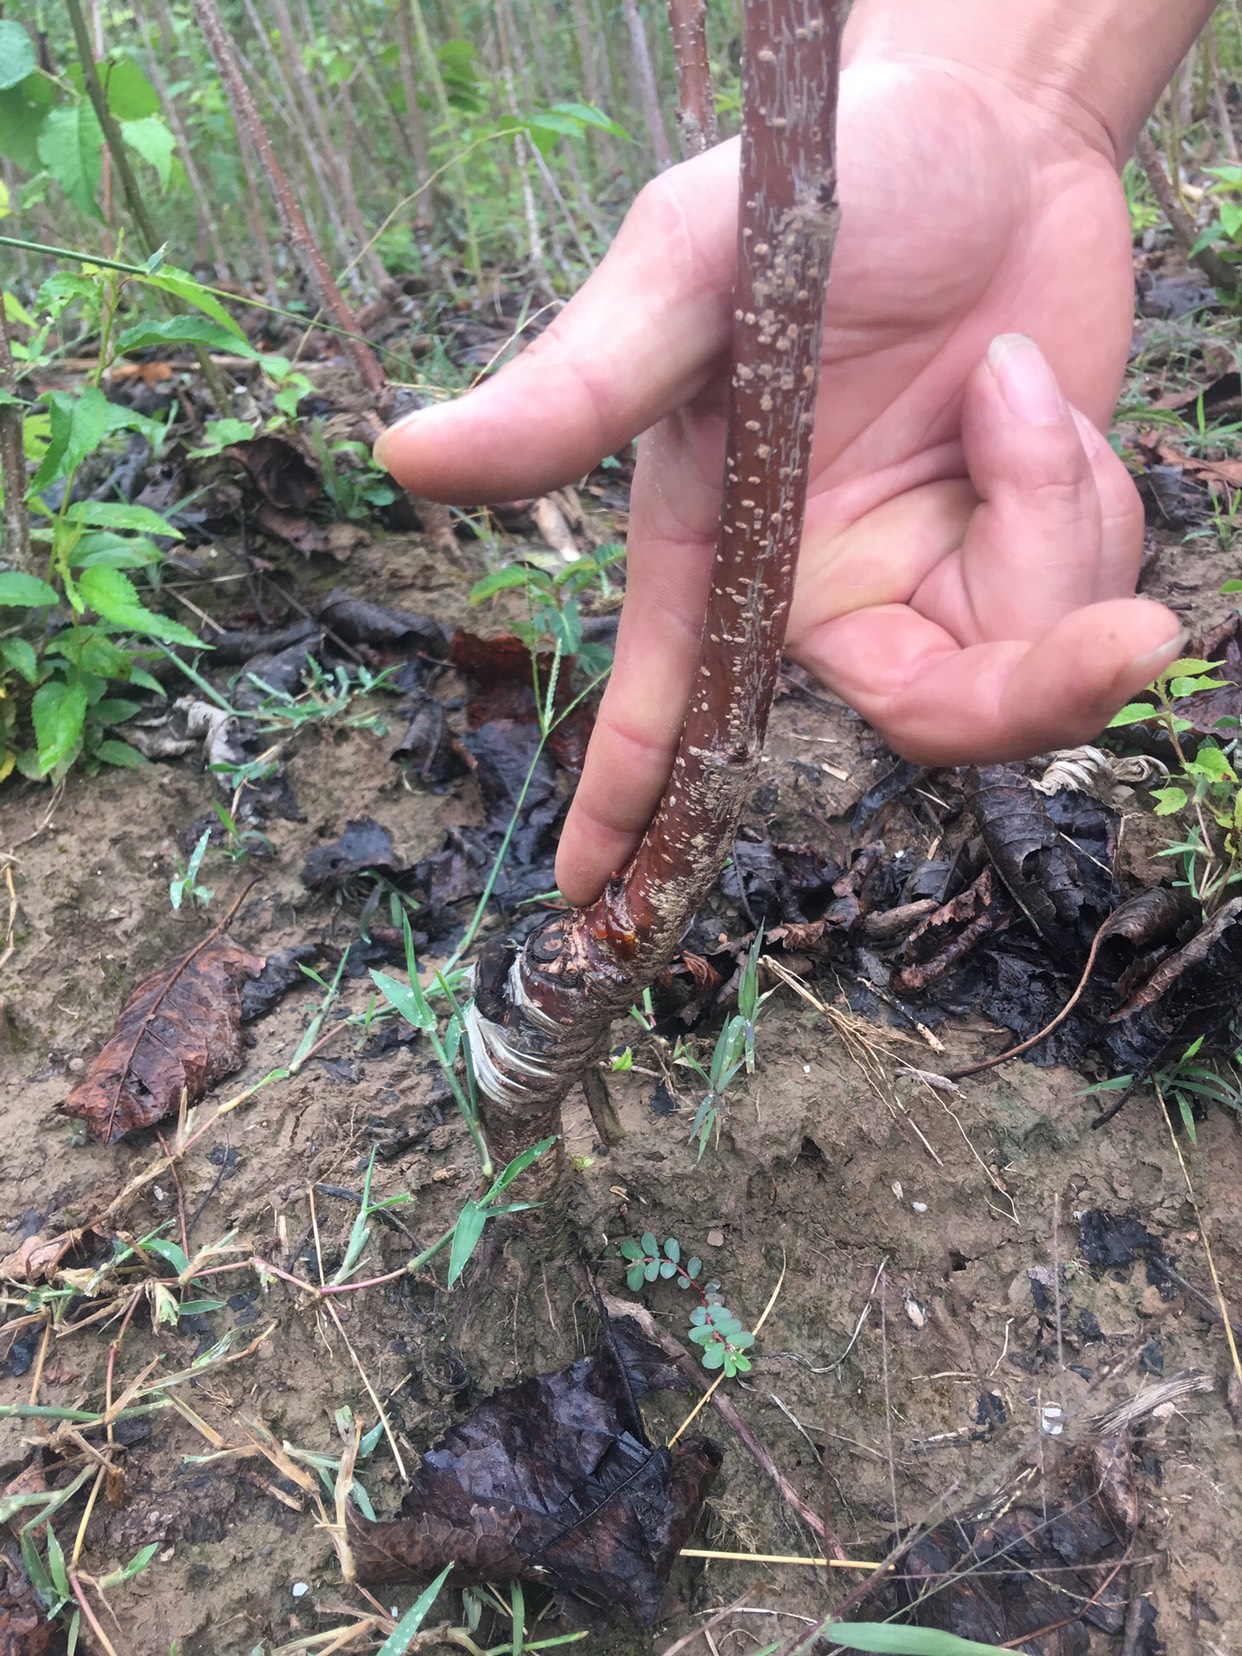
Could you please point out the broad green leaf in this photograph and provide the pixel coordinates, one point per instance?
(221, 434)
(114, 710)
(888, 1639)
(59, 712)
(70, 146)
(22, 111)
(101, 546)
(169, 1251)
(413, 1008)
(130, 95)
(15, 311)
(78, 423)
(17, 53)
(151, 139)
(588, 115)
(1187, 666)
(115, 752)
(25, 591)
(466, 1234)
(183, 286)
(402, 1635)
(184, 330)
(114, 597)
(629, 1249)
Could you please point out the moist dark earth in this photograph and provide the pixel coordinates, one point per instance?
(970, 1279)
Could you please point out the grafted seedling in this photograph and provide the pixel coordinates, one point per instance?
(541, 1015)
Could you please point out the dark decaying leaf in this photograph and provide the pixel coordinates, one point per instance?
(180, 1031)
(1054, 855)
(363, 847)
(1193, 991)
(1037, 1569)
(950, 933)
(24, 1627)
(359, 622)
(427, 748)
(283, 476)
(551, 1480)
(281, 971)
(505, 677)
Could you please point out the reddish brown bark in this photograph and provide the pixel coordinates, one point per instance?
(541, 1016)
(696, 102)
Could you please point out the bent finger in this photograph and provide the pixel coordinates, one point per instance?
(940, 704)
(674, 510)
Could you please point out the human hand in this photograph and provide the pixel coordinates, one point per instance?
(971, 541)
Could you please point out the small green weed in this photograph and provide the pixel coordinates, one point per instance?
(1206, 785)
(721, 1336)
(552, 599)
(185, 883)
(733, 1052)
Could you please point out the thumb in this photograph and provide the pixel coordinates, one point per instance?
(1060, 524)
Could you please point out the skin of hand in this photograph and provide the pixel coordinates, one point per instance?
(972, 542)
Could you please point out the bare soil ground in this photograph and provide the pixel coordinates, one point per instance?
(937, 1298)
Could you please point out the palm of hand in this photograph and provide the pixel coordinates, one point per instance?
(963, 572)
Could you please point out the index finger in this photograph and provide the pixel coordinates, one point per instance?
(638, 339)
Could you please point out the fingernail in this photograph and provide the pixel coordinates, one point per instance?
(1150, 666)
(1090, 437)
(1025, 379)
(384, 440)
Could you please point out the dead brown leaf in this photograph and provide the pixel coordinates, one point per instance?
(180, 1031)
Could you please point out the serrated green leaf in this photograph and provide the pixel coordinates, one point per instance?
(25, 591)
(59, 713)
(77, 425)
(629, 1249)
(500, 580)
(1131, 713)
(122, 514)
(112, 595)
(1187, 666)
(70, 145)
(635, 1277)
(17, 53)
(115, 752)
(20, 656)
(1169, 800)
